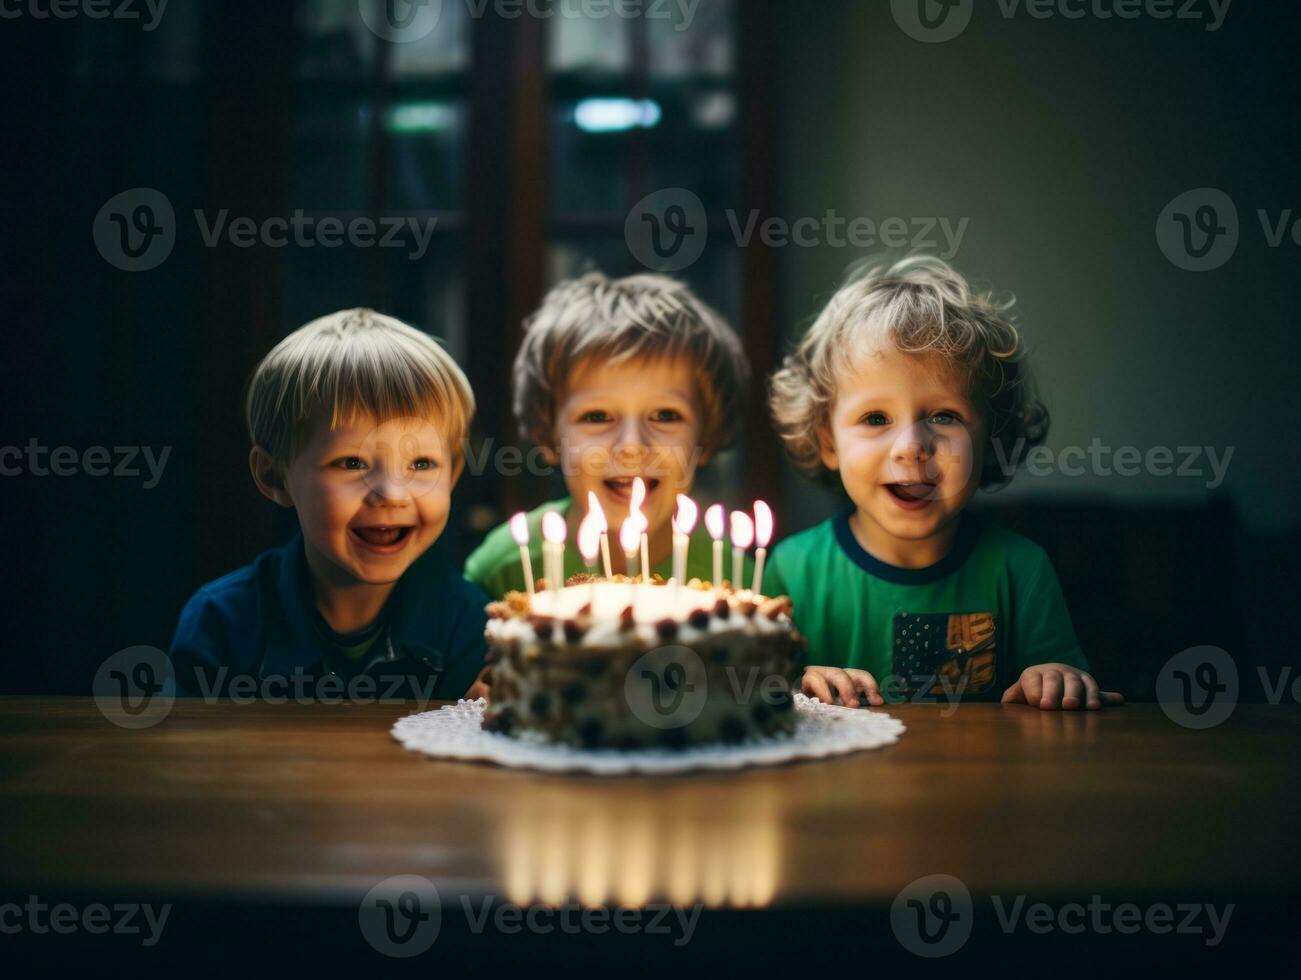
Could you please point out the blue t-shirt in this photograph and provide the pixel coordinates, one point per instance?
(261, 622)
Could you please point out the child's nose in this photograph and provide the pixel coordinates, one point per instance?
(914, 442)
(388, 488)
(631, 438)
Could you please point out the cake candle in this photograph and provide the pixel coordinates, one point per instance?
(553, 548)
(629, 533)
(742, 538)
(683, 523)
(519, 529)
(714, 521)
(594, 507)
(589, 546)
(762, 537)
(635, 512)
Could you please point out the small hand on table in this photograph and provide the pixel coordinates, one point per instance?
(1055, 687)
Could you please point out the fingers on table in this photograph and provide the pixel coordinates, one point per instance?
(865, 684)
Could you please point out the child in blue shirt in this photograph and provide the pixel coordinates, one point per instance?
(908, 392)
(357, 422)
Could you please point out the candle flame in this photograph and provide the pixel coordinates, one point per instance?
(685, 519)
(589, 537)
(594, 508)
(519, 528)
(630, 536)
(762, 523)
(634, 506)
(742, 529)
(553, 527)
(715, 521)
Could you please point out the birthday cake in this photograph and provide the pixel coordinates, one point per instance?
(626, 664)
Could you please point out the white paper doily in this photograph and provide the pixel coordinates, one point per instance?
(453, 732)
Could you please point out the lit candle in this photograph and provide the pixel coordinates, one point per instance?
(594, 507)
(742, 538)
(683, 523)
(634, 511)
(553, 548)
(715, 521)
(519, 529)
(589, 545)
(629, 538)
(762, 536)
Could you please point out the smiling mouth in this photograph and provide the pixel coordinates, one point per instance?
(382, 536)
(621, 487)
(912, 493)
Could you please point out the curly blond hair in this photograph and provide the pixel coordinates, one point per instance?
(920, 305)
(642, 316)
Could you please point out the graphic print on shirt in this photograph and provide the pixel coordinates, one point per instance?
(945, 654)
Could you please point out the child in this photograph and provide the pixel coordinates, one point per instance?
(357, 422)
(898, 393)
(618, 379)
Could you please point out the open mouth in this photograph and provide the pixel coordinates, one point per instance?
(620, 487)
(383, 536)
(912, 494)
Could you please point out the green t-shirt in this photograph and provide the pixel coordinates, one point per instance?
(986, 611)
(495, 565)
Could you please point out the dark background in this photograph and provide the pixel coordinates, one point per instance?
(1060, 141)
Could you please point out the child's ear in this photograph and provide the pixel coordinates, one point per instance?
(269, 476)
(827, 447)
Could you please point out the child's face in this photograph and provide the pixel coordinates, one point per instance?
(371, 496)
(907, 440)
(619, 420)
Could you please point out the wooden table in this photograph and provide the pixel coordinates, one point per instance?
(312, 805)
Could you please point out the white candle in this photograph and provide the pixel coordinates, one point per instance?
(629, 534)
(762, 537)
(553, 553)
(589, 536)
(635, 513)
(683, 523)
(519, 529)
(594, 507)
(742, 538)
(714, 522)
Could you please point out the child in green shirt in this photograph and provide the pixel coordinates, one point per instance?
(898, 394)
(618, 379)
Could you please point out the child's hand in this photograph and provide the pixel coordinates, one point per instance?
(1059, 687)
(825, 683)
(482, 686)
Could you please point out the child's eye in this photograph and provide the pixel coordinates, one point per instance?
(424, 463)
(876, 418)
(349, 463)
(945, 418)
(666, 415)
(596, 416)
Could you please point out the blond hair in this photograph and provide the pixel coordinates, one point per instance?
(643, 316)
(920, 305)
(351, 363)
